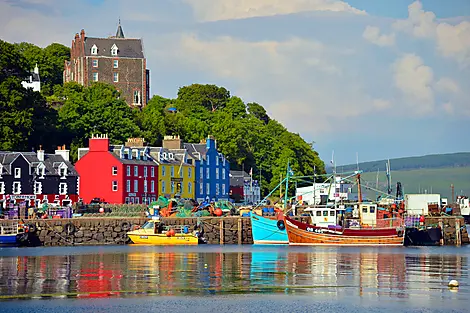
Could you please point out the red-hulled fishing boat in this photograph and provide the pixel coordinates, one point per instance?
(305, 234)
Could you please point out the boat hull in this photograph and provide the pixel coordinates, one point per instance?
(305, 234)
(163, 239)
(424, 237)
(11, 240)
(266, 231)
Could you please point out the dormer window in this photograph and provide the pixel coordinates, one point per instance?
(1, 170)
(114, 50)
(171, 156)
(41, 170)
(62, 171)
(94, 50)
(17, 172)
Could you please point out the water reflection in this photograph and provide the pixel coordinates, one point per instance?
(364, 273)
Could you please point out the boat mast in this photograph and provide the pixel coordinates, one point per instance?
(287, 185)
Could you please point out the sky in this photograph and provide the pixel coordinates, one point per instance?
(374, 79)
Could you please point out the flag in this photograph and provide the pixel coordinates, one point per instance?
(251, 172)
(290, 171)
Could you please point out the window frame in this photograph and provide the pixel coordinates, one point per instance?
(115, 63)
(16, 191)
(94, 63)
(95, 79)
(115, 186)
(114, 170)
(17, 172)
(62, 190)
(115, 77)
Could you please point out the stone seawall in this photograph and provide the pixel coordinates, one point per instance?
(107, 231)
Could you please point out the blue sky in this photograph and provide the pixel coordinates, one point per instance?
(379, 78)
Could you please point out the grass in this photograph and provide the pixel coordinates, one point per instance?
(433, 180)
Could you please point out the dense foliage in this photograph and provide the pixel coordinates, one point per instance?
(245, 133)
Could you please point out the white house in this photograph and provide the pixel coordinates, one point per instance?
(321, 192)
(33, 81)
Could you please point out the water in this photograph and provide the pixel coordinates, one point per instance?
(239, 278)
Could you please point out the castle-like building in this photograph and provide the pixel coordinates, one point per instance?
(116, 60)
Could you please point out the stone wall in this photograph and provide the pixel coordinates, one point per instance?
(107, 231)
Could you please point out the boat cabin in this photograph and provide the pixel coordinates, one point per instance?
(324, 216)
(368, 214)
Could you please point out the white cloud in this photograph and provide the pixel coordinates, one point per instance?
(452, 40)
(372, 34)
(448, 85)
(215, 10)
(414, 80)
(448, 108)
(381, 104)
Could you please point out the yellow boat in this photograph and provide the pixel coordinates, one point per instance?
(154, 233)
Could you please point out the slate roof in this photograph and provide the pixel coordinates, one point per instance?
(195, 148)
(127, 47)
(51, 162)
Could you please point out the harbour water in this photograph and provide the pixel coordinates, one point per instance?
(234, 279)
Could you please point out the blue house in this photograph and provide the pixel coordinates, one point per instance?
(212, 179)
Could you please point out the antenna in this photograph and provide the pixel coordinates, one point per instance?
(357, 160)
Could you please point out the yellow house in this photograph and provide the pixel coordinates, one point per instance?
(176, 172)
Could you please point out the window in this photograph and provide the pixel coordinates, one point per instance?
(128, 170)
(37, 188)
(208, 189)
(114, 170)
(136, 171)
(217, 173)
(136, 200)
(95, 63)
(41, 170)
(172, 187)
(190, 187)
(145, 186)
(17, 172)
(94, 50)
(223, 161)
(145, 171)
(207, 161)
(128, 186)
(2, 188)
(372, 209)
(16, 188)
(364, 209)
(63, 188)
(152, 171)
(318, 213)
(223, 173)
(172, 171)
(223, 189)
(217, 189)
(332, 213)
(115, 63)
(127, 200)
(137, 97)
(190, 170)
(115, 185)
(179, 188)
(114, 50)
(136, 185)
(217, 160)
(325, 213)
(207, 173)
(152, 186)
(163, 170)
(163, 187)
(116, 77)
(201, 172)
(95, 77)
(62, 172)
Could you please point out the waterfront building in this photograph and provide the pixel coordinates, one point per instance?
(116, 60)
(320, 193)
(36, 178)
(211, 168)
(243, 188)
(117, 173)
(33, 81)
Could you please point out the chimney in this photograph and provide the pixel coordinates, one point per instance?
(210, 142)
(98, 143)
(63, 152)
(172, 142)
(82, 34)
(40, 154)
(135, 142)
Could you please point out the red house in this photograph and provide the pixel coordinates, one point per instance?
(117, 173)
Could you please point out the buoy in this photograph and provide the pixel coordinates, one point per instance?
(218, 212)
(453, 283)
(101, 210)
(421, 219)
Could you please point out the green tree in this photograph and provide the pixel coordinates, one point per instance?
(258, 111)
(210, 97)
(95, 110)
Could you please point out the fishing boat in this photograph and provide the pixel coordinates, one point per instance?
(154, 232)
(11, 235)
(268, 231)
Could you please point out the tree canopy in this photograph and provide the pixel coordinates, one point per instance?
(245, 133)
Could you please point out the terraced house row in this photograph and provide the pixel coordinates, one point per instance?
(136, 173)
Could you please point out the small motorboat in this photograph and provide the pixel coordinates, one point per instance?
(12, 235)
(154, 232)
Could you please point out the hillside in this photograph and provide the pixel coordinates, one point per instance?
(434, 161)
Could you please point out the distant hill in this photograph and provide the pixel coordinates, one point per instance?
(433, 161)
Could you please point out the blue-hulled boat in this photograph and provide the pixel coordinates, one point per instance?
(9, 235)
(268, 231)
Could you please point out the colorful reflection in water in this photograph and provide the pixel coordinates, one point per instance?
(336, 272)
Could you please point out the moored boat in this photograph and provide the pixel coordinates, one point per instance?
(155, 233)
(12, 235)
(306, 234)
(268, 231)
